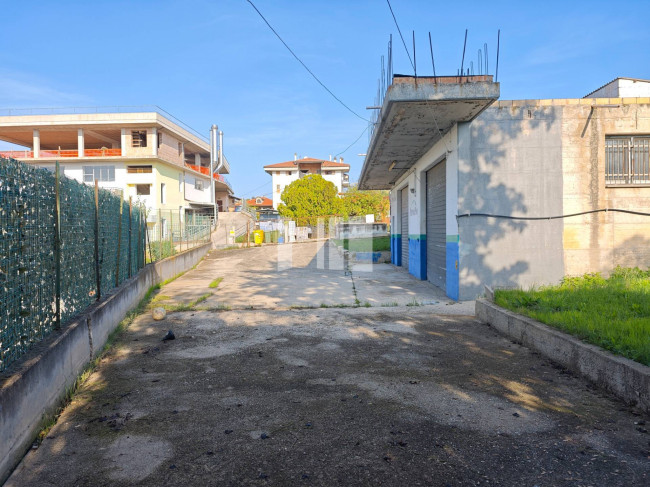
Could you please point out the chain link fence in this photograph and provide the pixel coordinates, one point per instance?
(62, 246)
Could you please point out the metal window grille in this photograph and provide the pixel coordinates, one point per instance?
(627, 160)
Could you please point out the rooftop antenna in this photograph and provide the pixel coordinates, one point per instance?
(480, 62)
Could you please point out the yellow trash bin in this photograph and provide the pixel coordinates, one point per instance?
(258, 236)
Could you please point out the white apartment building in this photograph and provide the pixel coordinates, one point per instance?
(146, 155)
(284, 173)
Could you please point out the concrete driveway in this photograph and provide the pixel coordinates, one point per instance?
(385, 395)
(303, 275)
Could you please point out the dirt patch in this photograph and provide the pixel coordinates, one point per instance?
(134, 458)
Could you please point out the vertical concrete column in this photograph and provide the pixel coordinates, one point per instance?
(123, 142)
(458, 139)
(154, 141)
(80, 142)
(37, 144)
(197, 159)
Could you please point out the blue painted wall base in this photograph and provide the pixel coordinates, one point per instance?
(452, 269)
(396, 249)
(418, 256)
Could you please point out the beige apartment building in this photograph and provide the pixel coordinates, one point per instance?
(144, 153)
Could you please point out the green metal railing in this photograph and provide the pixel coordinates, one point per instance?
(172, 231)
(63, 245)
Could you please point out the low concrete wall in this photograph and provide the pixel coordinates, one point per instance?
(32, 390)
(379, 257)
(627, 379)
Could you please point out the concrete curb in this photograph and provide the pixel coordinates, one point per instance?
(625, 378)
(33, 389)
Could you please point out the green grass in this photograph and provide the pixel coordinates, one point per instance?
(215, 283)
(612, 313)
(191, 306)
(370, 244)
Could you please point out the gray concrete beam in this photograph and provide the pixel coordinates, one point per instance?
(415, 115)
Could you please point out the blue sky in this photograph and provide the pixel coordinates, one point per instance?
(217, 62)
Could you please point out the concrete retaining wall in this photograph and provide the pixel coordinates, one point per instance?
(625, 378)
(31, 391)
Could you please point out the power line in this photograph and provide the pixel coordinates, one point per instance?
(305, 66)
(357, 140)
(253, 190)
(400, 34)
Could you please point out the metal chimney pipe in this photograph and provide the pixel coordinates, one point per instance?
(213, 160)
(220, 150)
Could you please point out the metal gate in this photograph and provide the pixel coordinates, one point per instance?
(405, 227)
(436, 225)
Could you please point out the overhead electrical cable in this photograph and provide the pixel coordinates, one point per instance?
(253, 190)
(305, 66)
(400, 34)
(357, 140)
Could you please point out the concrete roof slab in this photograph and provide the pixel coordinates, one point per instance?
(417, 113)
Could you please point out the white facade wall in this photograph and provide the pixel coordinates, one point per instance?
(336, 177)
(281, 178)
(417, 178)
(197, 195)
(623, 88)
(127, 182)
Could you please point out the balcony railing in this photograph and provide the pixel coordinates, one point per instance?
(53, 154)
(206, 171)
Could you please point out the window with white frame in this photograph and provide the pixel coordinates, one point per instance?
(103, 174)
(627, 160)
(163, 193)
(198, 184)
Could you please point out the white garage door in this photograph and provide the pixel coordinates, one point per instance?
(436, 225)
(405, 227)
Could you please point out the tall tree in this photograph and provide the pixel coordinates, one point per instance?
(308, 198)
(358, 203)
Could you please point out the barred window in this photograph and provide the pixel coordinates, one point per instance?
(99, 173)
(627, 160)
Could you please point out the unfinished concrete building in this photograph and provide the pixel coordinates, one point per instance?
(476, 183)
